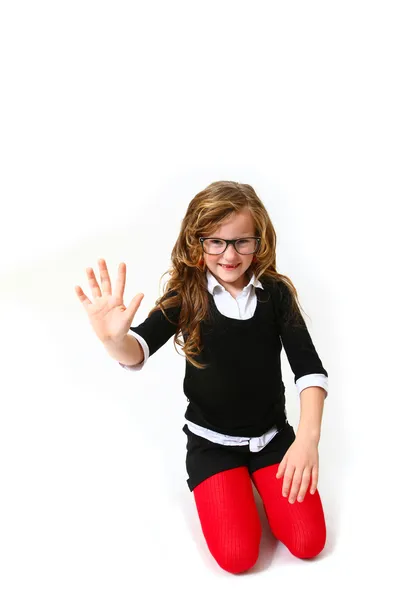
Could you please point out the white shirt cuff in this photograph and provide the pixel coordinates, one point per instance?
(317, 379)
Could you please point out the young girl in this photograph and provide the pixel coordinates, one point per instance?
(234, 312)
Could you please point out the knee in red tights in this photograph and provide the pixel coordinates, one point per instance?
(301, 525)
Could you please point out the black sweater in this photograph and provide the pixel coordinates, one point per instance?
(241, 391)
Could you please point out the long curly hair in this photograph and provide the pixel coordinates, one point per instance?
(186, 289)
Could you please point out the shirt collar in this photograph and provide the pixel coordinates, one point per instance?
(213, 283)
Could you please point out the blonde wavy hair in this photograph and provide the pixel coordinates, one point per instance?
(186, 289)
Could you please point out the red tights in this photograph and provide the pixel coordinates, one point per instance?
(231, 523)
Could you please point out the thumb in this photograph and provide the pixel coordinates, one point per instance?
(134, 305)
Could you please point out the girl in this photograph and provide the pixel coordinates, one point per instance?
(234, 312)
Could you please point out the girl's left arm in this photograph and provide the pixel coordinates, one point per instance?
(300, 465)
(306, 365)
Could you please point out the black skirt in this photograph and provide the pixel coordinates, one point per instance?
(205, 458)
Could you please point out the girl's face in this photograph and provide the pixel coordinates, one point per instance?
(238, 225)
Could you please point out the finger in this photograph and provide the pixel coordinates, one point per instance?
(104, 277)
(282, 467)
(93, 283)
(295, 484)
(314, 479)
(82, 296)
(305, 482)
(287, 480)
(120, 282)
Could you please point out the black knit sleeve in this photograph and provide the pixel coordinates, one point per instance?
(156, 329)
(296, 340)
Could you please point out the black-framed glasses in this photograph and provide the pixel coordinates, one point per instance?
(247, 245)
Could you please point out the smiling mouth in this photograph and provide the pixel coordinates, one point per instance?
(229, 266)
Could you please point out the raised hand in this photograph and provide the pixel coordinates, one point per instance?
(107, 313)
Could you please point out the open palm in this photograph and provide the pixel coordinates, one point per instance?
(108, 315)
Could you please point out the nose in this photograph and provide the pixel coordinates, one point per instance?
(230, 254)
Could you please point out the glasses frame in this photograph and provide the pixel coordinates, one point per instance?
(233, 242)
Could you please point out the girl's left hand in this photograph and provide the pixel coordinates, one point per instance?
(300, 463)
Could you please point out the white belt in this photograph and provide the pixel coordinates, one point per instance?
(255, 443)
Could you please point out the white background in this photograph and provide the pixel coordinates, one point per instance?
(113, 116)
